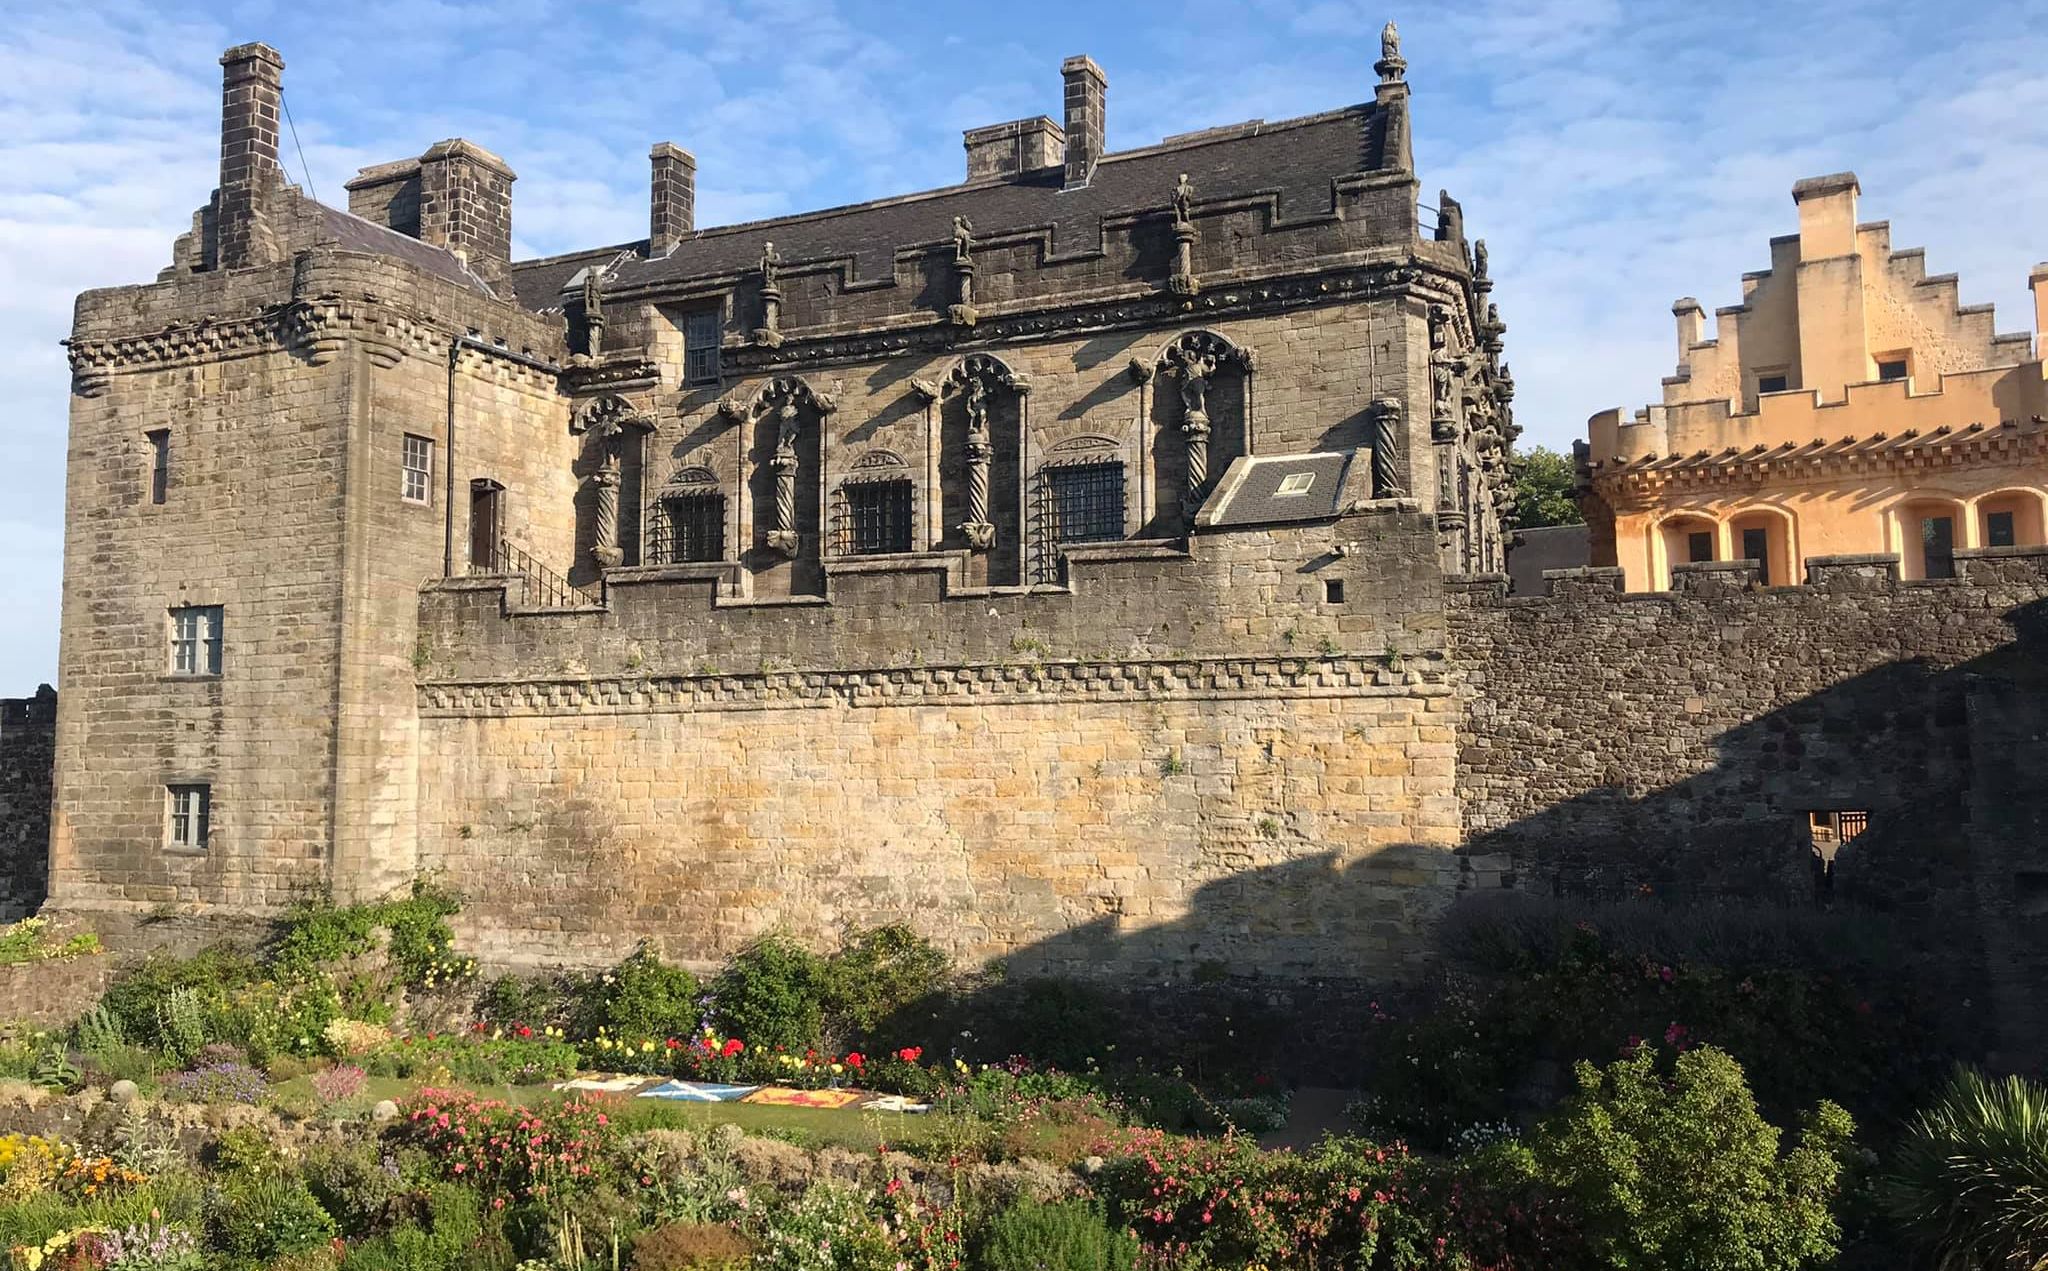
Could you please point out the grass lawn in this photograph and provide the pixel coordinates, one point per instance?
(808, 1127)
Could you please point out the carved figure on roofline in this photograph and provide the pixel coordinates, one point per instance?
(1184, 201)
(963, 240)
(771, 264)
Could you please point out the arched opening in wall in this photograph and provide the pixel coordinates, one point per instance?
(2011, 518)
(1687, 538)
(1200, 376)
(1766, 536)
(1928, 532)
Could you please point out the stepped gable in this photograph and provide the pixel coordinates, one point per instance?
(1294, 159)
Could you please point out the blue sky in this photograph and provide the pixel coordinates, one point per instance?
(1614, 155)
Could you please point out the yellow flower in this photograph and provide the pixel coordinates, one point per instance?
(646, 1046)
(838, 1068)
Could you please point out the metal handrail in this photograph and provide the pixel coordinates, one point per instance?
(545, 589)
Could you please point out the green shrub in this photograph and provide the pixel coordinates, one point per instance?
(1968, 1184)
(353, 1184)
(828, 1216)
(255, 1217)
(136, 1000)
(877, 973)
(771, 995)
(1681, 1171)
(681, 1246)
(317, 934)
(647, 999)
(1071, 1235)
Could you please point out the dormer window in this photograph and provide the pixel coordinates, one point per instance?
(1295, 483)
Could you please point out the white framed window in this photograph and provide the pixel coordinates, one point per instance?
(196, 640)
(418, 483)
(700, 347)
(1295, 483)
(188, 827)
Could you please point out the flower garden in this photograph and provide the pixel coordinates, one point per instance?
(1616, 1089)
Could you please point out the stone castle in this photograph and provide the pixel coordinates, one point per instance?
(1093, 563)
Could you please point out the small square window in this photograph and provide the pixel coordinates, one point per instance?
(1295, 483)
(418, 483)
(196, 640)
(1891, 368)
(1333, 591)
(700, 347)
(879, 516)
(160, 465)
(1774, 383)
(189, 825)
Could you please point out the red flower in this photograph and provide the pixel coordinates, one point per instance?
(853, 1059)
(525, 1031)
(672, 1044)
(733, 1046)
(910, 1054)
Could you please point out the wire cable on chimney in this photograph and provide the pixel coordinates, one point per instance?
(304, 171)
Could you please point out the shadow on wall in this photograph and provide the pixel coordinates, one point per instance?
(1931, 774)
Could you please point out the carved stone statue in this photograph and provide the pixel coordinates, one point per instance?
(1195, 373)
(976, 397)
(1443, 366)
(593, 313)
(782, 535)
(961, 312)
(1479, 259)
(1450, 218)
(1184, 201)
(963, 240)
(979, 531)
(769, 333)
(771, 264)
(1390, 42)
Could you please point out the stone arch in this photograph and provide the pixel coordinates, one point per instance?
(1672, 542)
(1914, 530)
(1769, 529)
(2027, 508)
(1199, 418)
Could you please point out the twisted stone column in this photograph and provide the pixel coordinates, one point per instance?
(605, 488)
(1386, 450)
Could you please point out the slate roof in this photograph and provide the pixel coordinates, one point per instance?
(352, 233)
(1532, 551)
(1295, 158)
(1255, 498)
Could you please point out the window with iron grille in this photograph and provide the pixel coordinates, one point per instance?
(1087, 501)
(189, 825)
(691, 528)
(196, 640)
(700, 346)
(878, 516)
(417, 482)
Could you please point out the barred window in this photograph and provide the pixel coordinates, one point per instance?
(691, 528)
(417, 483)
(878, 516)
(189, 825)
(196, 640)
(1087, 501)
(700, 347)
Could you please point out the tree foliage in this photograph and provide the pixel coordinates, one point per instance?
(1682, 1171)
(1969, 1182)
(1543, 489)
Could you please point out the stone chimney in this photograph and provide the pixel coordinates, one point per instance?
(466, 206)
(2037, 281)
(1692, 324)
(1014, 148)
(1827, 215)
(252, 91)
(389, 195)
(1087, 125)
(672, 209)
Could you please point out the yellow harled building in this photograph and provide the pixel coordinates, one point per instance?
(1848, 405)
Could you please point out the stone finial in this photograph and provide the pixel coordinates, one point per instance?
(1392, 67)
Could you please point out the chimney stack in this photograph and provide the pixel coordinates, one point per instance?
(1086, 123)
(1692, 323)
(466, 206)
(252, 91)
(672, 211)
(2037, 282)
(1827, 215)
(1014, 148)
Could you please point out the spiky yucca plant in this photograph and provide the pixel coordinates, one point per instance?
(1970, 1178)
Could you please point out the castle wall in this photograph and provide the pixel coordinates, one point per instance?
(1678, 742)
(28, 736)
(1190, 757)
